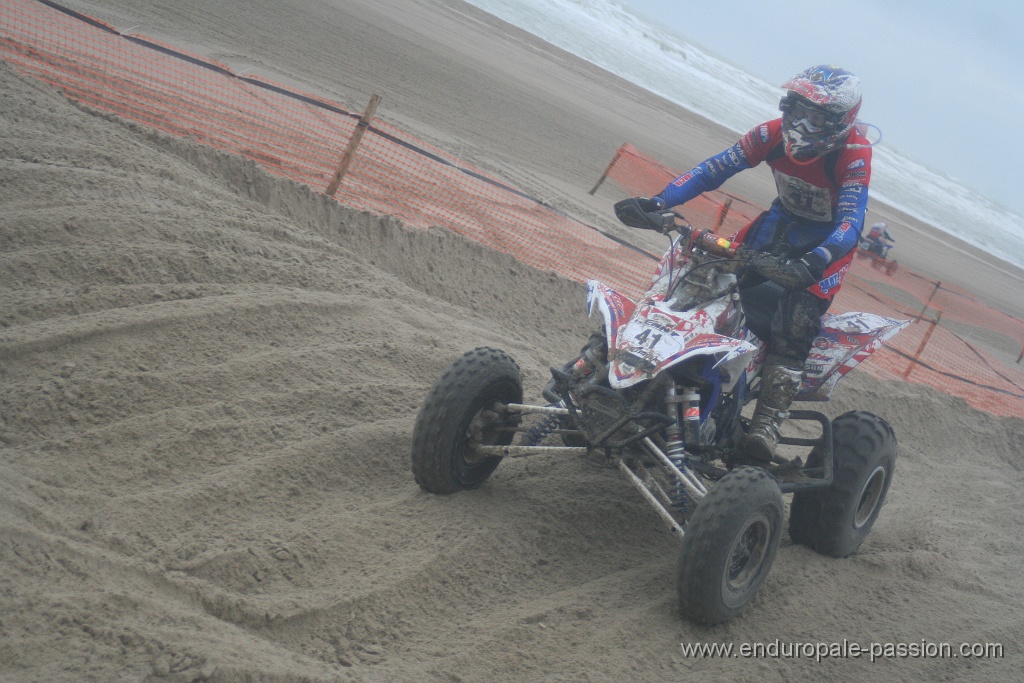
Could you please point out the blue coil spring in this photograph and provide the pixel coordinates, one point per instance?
(540, 431)
(680, 498)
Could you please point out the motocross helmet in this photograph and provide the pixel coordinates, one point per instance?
(818, 111)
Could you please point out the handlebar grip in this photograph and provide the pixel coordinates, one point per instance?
(712, 243)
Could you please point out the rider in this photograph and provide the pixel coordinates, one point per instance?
(804, 243)
(879, 232)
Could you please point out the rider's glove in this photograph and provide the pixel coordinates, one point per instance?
(652, 205)
(745, 254)
(791, 274)
(641, 212)
(815, 263)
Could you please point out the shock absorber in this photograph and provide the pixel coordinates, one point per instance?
(684, 407)
(690, 403)
(590, 361)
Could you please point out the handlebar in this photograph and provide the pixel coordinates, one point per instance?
(702, 238)
(631, 212)
(712, 243)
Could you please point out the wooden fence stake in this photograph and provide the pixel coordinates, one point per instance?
(607, 170)
(353, 145)
(928, 334)
(722, 213)
(924, 343)
(931, 296)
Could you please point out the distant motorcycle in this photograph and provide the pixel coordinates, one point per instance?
(658, 392)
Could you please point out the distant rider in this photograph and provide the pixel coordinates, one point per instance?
(804, 243)
(877, 236)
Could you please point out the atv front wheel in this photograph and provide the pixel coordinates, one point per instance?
(465, 408)
(729, 546)
(835, 521)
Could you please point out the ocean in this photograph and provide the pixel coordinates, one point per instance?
(607, 34)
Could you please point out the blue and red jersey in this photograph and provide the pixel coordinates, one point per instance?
(820, 206)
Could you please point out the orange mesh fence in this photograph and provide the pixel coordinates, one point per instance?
(402, 176)
(926, 352)
(952, 346)
(639, 174)
(301, 137)
(956, 343)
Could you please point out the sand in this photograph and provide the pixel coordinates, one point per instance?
(210, 378)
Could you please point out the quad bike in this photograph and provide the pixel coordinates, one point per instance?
(878, 252)
(659, 392)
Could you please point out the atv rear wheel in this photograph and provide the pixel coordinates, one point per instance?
(465, 408)
(729, 546)
(835, 521)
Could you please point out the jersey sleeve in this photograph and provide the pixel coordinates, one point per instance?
(712, 172)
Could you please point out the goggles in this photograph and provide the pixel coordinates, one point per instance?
(802, 113)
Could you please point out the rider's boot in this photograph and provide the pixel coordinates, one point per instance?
(779, 384)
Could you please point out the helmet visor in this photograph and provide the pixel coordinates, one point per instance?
(804, 115)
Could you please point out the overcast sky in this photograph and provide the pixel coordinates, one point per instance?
(943, 79)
